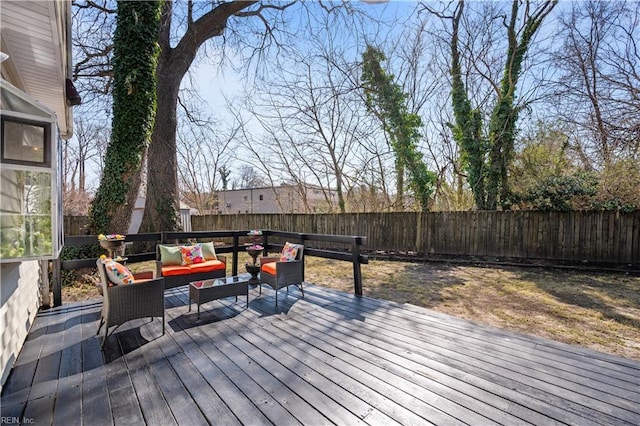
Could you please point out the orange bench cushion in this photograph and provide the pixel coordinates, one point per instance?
(206, 266)
(269, 268)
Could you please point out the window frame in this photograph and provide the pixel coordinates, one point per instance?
(46, 143)
(39, 116)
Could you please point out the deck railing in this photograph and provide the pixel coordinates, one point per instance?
(341, 247)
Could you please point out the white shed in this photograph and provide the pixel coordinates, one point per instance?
(138, 211)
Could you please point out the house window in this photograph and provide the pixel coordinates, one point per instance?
(30, 193)
(25, 142)
(26, 214)
(261, 197)
(246, 198)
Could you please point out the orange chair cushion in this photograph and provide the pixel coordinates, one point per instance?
(208, 266)
(175, 270)
(269, 268)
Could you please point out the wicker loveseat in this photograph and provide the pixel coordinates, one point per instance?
(121, 303)
(175, 274)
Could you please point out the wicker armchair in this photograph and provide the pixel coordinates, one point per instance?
(127, 302)
(286, 273)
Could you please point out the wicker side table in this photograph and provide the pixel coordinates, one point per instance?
(205, 291)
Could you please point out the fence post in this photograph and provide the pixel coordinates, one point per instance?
(357, 272)
(418, 239)
(302, 240)
(236, 240)
(265, 243)
(57, 282)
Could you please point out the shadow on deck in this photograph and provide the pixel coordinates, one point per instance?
(330, 358)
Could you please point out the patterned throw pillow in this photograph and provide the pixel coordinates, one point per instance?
(289, 252)
(209, 251)
(118, 274)
(191, 254)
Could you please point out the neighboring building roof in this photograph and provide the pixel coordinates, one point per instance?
(35, 35)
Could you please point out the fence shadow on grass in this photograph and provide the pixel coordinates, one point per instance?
(607, 293)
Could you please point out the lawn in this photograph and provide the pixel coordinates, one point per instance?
(597, 310)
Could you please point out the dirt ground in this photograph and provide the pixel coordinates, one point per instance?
(597, 310)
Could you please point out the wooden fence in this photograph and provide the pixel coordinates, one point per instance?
(572, 237)
(578, 236)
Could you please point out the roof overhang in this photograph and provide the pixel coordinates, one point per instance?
(36, 36)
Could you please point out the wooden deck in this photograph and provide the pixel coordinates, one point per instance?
(330, 358)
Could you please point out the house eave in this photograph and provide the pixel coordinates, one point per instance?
(36, 38)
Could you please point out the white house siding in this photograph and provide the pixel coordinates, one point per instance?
(36, 36)
(19, 295)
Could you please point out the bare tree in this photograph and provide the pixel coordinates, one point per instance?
(93, 26)
(204, 148)
(312, 115)
(598, 92)
(180, 43)
(418, 59)
(248, 177)
(185, 28)
(81, 161)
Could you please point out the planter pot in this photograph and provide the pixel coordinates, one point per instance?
(254, 270)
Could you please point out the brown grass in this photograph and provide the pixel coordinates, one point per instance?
(600, 311)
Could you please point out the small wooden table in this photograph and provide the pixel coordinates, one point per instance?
(207, 290)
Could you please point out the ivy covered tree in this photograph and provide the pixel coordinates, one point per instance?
(135, 58)
(502, 124)
(467, 130)
(487, 158)
(385, 99)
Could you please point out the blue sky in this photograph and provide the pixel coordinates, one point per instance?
(215, 82)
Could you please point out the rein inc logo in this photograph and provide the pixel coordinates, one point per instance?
(6, 420)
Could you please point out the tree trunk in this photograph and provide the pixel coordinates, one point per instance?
(399, 185)
(502, 126)
(134, 101)
(162, 199)
(161, 208)
(468, 122)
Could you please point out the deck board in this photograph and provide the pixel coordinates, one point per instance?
(517, 369)
(327, 358)
(483, 376)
